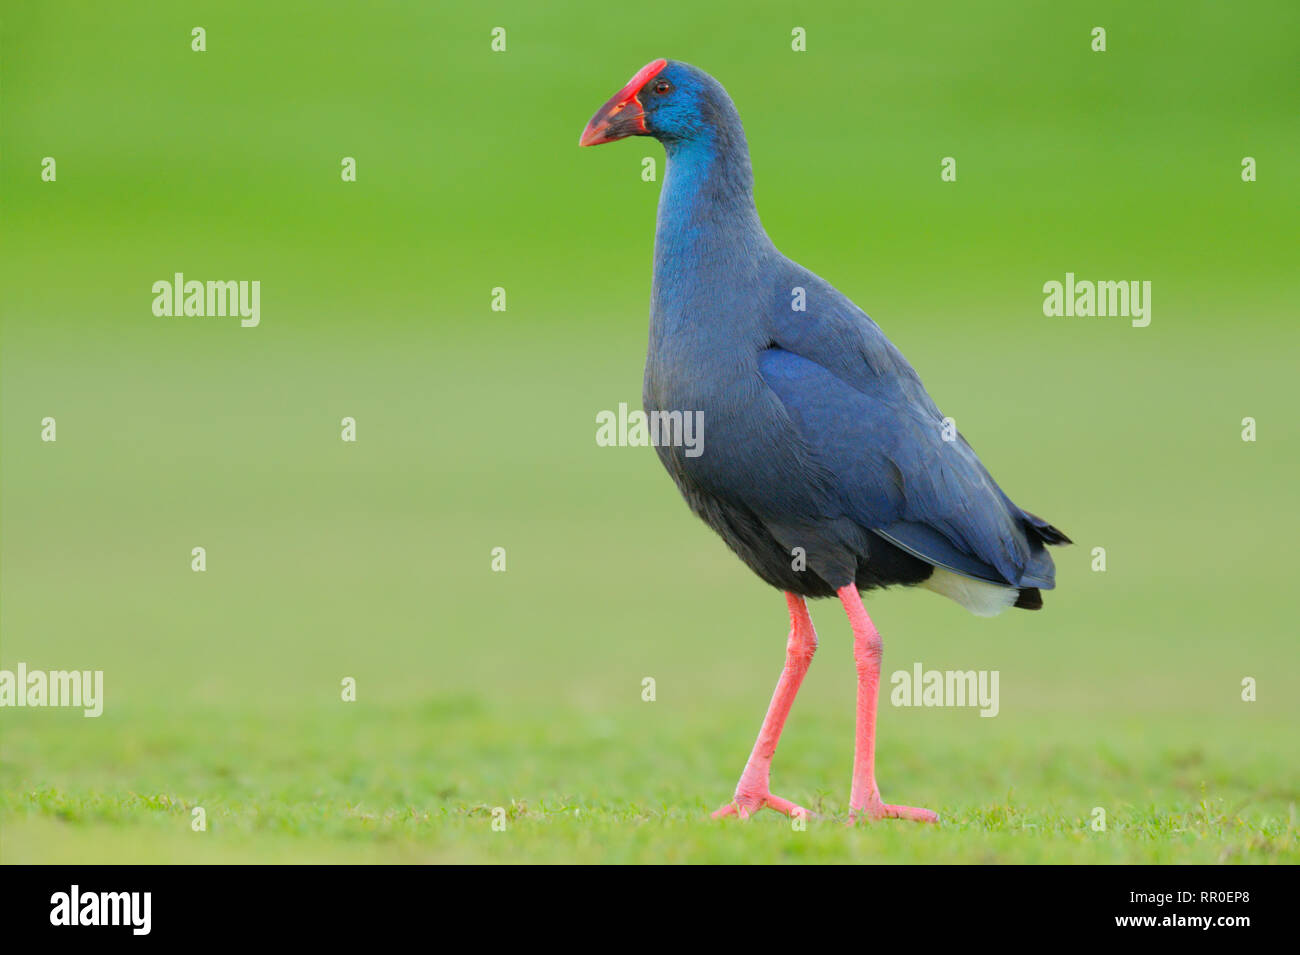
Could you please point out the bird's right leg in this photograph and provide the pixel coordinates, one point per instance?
(752, 792)
(864, 797)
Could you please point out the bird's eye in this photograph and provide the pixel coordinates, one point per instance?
(662, 87)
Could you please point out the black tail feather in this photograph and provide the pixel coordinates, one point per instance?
(1044, 531)
(1031, 598)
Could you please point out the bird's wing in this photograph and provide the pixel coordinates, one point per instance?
(866, 419)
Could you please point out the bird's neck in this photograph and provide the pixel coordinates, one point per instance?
(708, 226)
(708, 178)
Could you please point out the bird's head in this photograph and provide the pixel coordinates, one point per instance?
(668, 100)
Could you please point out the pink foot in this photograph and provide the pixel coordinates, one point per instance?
(875, 809)
(745, 806)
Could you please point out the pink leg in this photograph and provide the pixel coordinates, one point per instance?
(867, 652)
(752, 791)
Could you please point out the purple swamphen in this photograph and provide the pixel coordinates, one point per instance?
(826, 467)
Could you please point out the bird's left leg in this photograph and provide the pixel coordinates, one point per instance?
(864, 798)
(752, 792)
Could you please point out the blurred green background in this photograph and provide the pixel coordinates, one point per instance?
(476, 430)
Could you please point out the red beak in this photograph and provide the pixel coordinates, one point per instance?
(622, 116)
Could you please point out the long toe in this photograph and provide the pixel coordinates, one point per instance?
(744, 807)
(883, 810)
(909, 812)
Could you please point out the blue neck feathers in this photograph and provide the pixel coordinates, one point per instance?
(708, 230)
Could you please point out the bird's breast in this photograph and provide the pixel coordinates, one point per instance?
(717, 428)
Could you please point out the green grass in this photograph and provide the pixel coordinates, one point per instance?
(635, 784)
(522, 689)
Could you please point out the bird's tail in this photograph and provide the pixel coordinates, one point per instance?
(1040, 533)
(1044, 531)
(1029, 598)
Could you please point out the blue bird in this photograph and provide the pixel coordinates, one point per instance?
(825, 464)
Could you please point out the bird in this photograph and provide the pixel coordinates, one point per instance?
(826, 466)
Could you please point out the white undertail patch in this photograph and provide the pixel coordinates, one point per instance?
(980, 597)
